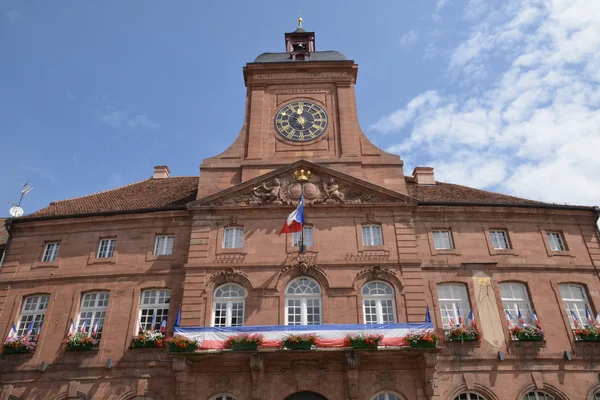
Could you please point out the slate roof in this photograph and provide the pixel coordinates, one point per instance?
(175, 192)
(3, 232)
(329, 55)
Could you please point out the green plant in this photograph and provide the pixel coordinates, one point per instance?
(369, 340)
(148, 339)
(422, 337)
(18, 344)
(244, 338)
(79, 340)
(181, 342)
(526, 332)
(292, 340)
(462, 333)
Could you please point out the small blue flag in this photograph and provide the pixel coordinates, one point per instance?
(427, 314)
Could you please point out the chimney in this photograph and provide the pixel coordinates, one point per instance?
(424, 175)
(161, 172)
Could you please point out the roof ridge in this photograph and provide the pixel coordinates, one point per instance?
(488, 191)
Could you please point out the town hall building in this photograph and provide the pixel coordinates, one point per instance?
(468, 294)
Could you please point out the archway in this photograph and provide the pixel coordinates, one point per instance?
(306, 396)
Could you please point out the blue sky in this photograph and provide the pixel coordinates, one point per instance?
(500, 95)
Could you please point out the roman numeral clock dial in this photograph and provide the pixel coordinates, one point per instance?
(300, 121)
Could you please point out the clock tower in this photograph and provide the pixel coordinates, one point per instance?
(300, 104)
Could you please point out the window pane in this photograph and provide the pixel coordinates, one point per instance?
(308, 237)
(576, 302)
(514, 299)
(555, 241)
(32, 316)
(499, 240)
(163, 245)
(442, 240)
(50, 252)
(233, 238)
(372, 235)
(106, 248)
(154, 308)
(453, 298)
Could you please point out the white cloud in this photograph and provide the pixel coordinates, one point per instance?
(533, 130)
(119, 119)
(409, 39)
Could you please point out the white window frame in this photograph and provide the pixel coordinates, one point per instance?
(163, 245)
(515, 297)
(386, 395)
(373, 236)
(538, 395)
(378, 299)
(33, 309)
(308, 237)
(572, 302)
(469, 396)
(500, 239)
(454, 301)
(442, 239)
(237, 237)
(304, 300)
(106, 248)
(556, 241)
(51, 251)
(230, 303)
(153, 302)
(93, 308)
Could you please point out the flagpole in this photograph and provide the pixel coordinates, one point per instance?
(302, 176)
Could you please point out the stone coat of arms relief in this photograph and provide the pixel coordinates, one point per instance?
(319, 190)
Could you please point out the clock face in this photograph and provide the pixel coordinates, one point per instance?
(301, 121)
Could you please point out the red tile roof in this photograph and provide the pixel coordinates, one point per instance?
(451, 193)
(176, 192)
(150, 194)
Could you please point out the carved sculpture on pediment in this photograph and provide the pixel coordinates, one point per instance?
(320, 190)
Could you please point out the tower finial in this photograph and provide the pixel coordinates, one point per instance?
(299, 18)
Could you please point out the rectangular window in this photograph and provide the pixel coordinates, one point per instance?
(305, 311)
(92, 313)
(308, 237)
(32, 315)
(556, 241)
(106, 249)
(233, 238)
(442, 240)
(371, 235)
(51, 252)
(514, 299)
(229, 313)
(576, 302)
(453, 301)
(500, 240)
(163, 245)
(154, 308)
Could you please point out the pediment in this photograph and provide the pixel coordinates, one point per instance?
(280, 187)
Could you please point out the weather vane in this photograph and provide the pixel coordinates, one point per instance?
(16, 210)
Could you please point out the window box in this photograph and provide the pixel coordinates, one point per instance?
(462, 334)
(299, 342)
(148, 339)
(18, 346)
(425, 339)
(363, 341)
(587, 334)
(244, 341)
(80, 341)
(527, 333)
(590, 338)
(180, 344)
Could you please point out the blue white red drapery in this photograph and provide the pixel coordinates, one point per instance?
(327, 335)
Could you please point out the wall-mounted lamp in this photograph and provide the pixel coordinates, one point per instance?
(43, 366)
(500, 356)
(109, 363)
(568, 356)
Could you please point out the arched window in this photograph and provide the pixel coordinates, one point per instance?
(303, 302)
(537, 395)
(228, 305)
(514, 299)
(453, 300)
(576, 302)
(92, 312)
(154, 308)
(32, 315)
(223, 397)
(386, 396)
(597, 395)
(469, 396)
(379, 305)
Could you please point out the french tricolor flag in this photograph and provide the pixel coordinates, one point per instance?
(521, 319)
(471, 318)
(72, 328)
(576, 323)
(450, 320)
(588, 316)
(12, 334)
(163, 326)
(536, 320)
(508, 319)
(460, 318)
(295, 221)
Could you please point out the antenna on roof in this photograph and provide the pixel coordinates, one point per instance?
(16, 210)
